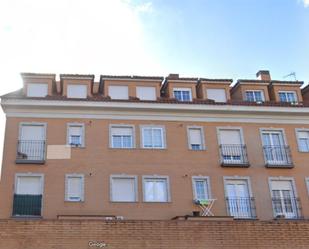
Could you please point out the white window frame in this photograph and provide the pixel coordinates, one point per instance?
(281, 178)
(203, 178)
(121, 126)
(124, 176)
(297, 130)
(236, 128)
(31, 175)
(183, 89)
(127, 97)
(286, 92)
(163, 136)
(82, 125)
(32, 124)
(143, 87)
(157, 177)
(254, 98)
(74, 85)
(67, 176)
(238, 178)
(223, 89)
(201, 128)
(32, 84)
(307, 184)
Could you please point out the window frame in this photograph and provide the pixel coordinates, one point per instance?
(111, 126)
(38, 83)
(297, 130)
(223, 89)
(143, 87)
(201, 128)
(82, 125)
(307, 184)
(183, 89)
(236, 128)
(254, 97)
(75, 175)
(286, 92)
(204, 178)
(30, 174)
(124, 176)
(163, 136)
(157, 177)
(127, 87)
(74, 85)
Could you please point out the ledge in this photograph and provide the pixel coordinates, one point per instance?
(280, 166)
(237, 165)
(25, 161)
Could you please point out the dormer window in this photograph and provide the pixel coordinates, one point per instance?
(182, 94)
(118, 92)
(77, 91)
(288, 96)
(37, 89)
(255, 96)
(146, 93)
(218, 95)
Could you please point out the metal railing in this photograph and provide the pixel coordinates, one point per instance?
(277, 155)
(27, 205)
(241, 207)
(289, 208)
(234, 154)
(32, 150)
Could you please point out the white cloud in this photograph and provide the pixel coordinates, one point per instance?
(306, 3)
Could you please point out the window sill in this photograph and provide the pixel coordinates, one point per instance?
(236, 165)
(69, 201)
(25, 161)
(280, 166)
(124, 202)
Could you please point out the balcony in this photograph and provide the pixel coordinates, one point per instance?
(288, 208)
(27, 205)
(277, 156)
(241, 207)
(233, 155)
(30, 152)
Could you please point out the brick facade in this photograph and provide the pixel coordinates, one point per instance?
(59, 234)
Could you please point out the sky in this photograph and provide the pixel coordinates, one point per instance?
(201, 38)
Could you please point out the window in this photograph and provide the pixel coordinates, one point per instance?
(122, 136)
(37, 89)
(146, 93)
(218, 95)
(153, 137)
(75, 135)
(283, 198)
(239, 201)
(77, 91)
(118, 92)
(74, 187)
(288, 96)
(156, 189)
(200, 188)
(303, 140)
(255, 96)
(195, 138)
(124, 188)
(307, 183)
(182, 94)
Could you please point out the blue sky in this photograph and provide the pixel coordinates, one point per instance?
(201, 38)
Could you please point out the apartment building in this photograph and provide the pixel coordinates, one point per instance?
(140, 147)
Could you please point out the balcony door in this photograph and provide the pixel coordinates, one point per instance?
(284, 201)
(31, 144)
(274, 147)
(231, 146)
(28, 195)
(238, 198)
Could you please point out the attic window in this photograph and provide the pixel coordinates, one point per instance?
(77, 91)
(37, 89)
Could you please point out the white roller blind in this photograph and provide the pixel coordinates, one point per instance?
(195, 136)
(303, 134)
(281, 185)
(75, 130)
(230, 137)
(37, 89)
(118, 92)
(146, 93)
(32, 132)
(77, 91)
(29, 185)
(123, 189)
(217, 95)
(122, 131)
(74, 187)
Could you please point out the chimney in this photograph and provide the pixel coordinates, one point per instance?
(263, 75)
(173, 76)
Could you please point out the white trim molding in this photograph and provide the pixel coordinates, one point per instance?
(157, 177)
(123, 176)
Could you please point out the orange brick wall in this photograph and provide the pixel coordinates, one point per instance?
(64, 234)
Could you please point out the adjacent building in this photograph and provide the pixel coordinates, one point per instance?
(136, 147)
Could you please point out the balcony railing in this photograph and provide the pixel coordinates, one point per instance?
(234, 155)
(289, 208)
(241, 207)
(277, 156)
(27, 205)
(30, 151)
